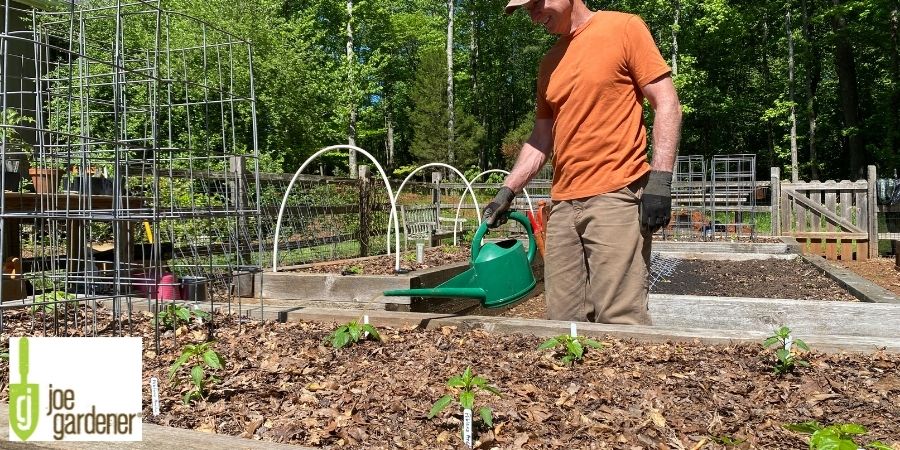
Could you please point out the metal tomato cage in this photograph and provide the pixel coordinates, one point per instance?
(129, 157)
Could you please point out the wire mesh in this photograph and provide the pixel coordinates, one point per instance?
(732, 196)
(129, 160)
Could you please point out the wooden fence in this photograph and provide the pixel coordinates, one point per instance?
(833, 219)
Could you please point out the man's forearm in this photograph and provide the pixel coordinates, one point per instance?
(666, 133)
(528, 164)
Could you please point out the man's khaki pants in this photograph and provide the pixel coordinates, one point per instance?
(597, 259)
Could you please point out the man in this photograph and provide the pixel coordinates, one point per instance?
(606, 199)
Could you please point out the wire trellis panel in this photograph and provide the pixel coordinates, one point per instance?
(129, 155)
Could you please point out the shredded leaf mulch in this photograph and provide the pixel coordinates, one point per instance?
(282, 382)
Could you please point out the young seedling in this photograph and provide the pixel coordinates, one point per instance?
(199, 357)
(785, 352)
(173, 315)
(466, 386)
(836, 437)
(352, 270)
(353, 332)
(571, 348)
(47, 301)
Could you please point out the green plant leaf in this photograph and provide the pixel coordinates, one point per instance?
(178, 363)
(188, 396)
(486, 416)
(783, 355)
(212, 359)
(354, 331)
(183, 313)
(467, 399)
(800, 344)
(851, 429)
(201, 314)
(456, 382)
(549, 343)
(770, 341)
(808, 427)
(492, 390)
(197, 376)
(373, 332)
(575, 349)
(875, 445)
(440, 405)
(591, 343)
(340, 339)
(478, 381)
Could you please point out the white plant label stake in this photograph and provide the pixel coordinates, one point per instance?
(788, 342)
(467, 427)
(573, 330)
(154, 395)
(365, 322)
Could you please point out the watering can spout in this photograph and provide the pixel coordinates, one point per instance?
(476, 293)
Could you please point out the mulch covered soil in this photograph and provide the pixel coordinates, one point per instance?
(881, 271)
(385, 264)
(284, 383)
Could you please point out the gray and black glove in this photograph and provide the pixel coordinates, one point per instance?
(495, 212)
(656, 203)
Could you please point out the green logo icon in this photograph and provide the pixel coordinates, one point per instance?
(23, 398)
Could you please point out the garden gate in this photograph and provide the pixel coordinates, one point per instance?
(833, 219)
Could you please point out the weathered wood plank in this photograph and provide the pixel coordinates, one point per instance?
(827, 235)
(846, 250)
(815, 204)
(829, 185)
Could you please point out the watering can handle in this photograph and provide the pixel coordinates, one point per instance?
(514, 215)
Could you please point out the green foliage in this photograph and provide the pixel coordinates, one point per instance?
(465, 387)
(786, 352)
(47, 302)
(174, 315)
(834, 437)
(201, 358)
(572, 349)
(727, 441)
(351, 333)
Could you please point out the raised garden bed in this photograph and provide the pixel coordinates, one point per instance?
(290, 386)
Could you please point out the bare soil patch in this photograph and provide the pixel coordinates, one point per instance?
(384, 264)
(290, 386)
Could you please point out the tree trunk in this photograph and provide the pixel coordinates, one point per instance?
(767, 77)
(846, 71)
(451, 157)
(813, 77)
(389, 140)
(894, 136)
(675, 38)
(795, 172)
(351, 123)
(476, 100)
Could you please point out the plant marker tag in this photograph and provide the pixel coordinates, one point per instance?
(154, 395)
(573, 330)
(467, 427)
(365, 322)
(788, 342)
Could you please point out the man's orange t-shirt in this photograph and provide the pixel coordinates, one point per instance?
(589, 84)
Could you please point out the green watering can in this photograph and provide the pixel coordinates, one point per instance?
(498, 275)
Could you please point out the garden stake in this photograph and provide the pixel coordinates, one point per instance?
(467, 427)
(154, 395)
(499, 273)
(573, 330)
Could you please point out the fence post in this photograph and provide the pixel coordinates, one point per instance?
(873, 212)
(775, 200)
(365, 210)
(436, 178)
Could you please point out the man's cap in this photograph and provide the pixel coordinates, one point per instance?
(513, 5)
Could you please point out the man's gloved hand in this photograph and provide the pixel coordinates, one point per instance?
(656, 203)
(495, 212)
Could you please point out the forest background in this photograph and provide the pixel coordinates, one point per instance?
(416, 81)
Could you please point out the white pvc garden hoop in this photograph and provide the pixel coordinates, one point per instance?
(400, 189)
(297, 174)
(476, 177)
